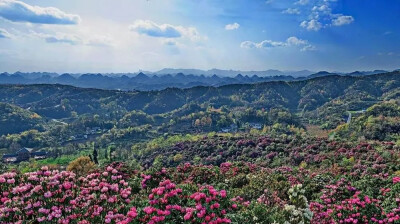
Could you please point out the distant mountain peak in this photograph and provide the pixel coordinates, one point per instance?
(141, 75)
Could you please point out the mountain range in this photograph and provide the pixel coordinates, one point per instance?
(166, 78)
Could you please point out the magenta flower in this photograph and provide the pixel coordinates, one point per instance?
(48, 194)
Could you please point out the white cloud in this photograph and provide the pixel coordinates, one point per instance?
(302, 2)
(308, 48)
(4, 33)
(248, 44)
(73, 39)
(296, 41)
(342, 20)
(152, 29)
(191, 33)
(262, 44)
(232, 26)
(321, 16)
(291, 11)
(59, 38)
(18, 11)
(323, 8)
(269, 1)
(313, 24)
(270, 44)
(290, 42)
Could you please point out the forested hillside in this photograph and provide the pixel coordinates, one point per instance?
(14, 119)
(58, 101)
(67, 111)
(310, 151)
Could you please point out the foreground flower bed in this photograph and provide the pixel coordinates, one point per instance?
(362, 190)
(109, 196)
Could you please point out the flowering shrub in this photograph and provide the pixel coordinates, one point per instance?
(53, 196)
(343, 203)
(298, 211)
(106, 197)
(262, 180)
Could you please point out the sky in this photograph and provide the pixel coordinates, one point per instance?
(130, 35)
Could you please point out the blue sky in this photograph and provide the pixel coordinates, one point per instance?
(128, 35)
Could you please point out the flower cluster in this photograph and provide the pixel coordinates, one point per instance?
(237, 180)
(63, 197)
(107, 197)
(343, 203)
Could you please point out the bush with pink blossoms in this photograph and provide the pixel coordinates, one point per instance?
(344, 203)
(53, 196)
(107, 196)
(342, 182)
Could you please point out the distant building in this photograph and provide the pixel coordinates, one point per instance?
(231, 128)
(257, 126)
(24, 154)
(10, 158)
(225, 130)
(39, 155)
(92, 131)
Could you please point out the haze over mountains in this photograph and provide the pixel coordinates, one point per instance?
(165, 78)
(230, 73)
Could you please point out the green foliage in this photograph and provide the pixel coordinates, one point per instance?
(298, 211)
(380, 122)
(14, 119)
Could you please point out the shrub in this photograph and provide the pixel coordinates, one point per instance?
(81, 165)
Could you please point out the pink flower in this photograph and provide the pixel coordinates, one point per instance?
(396, 180)
(187, 216)
(67, 185)
(148, 210)
(223, 193)
(11, 181)
(132, 212)
(47, 194)
(199, 207)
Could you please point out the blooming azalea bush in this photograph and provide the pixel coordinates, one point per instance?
(107, 196)
(343, 203)
(261, 180)
(53, 196)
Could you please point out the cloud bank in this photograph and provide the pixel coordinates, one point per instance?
(321, 16)
(73, 39)
(17, 11)
(342, 20)
(233, 26)
(292, 11)
(4, 33)
(290, 42)
(153, 29)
